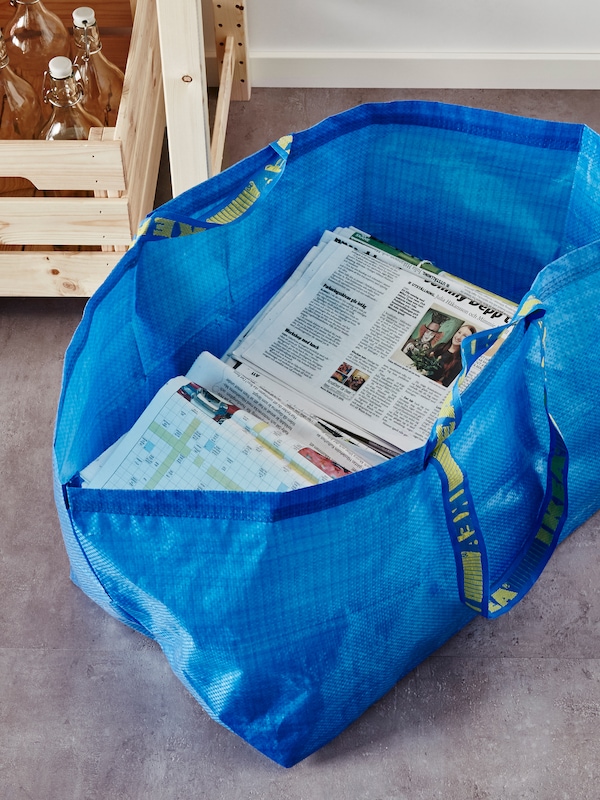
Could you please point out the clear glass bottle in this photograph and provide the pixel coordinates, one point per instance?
(33, 36)
(20, 109)
(69, 119)
(102, 80)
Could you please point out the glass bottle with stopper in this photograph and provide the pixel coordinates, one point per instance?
(69, 119)
(20, 109)
(102, 81)
(33, 36)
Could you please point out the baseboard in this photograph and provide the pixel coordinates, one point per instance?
(422, 70)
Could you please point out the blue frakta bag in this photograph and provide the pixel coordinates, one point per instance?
(287, 615)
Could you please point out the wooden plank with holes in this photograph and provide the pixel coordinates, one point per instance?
(230, 20)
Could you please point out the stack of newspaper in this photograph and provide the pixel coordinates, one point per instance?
(346, 366)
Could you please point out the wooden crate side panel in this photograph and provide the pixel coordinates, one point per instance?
(96, 229)
(141, 119)
(64, 221)
(69, 165)
(54, 274)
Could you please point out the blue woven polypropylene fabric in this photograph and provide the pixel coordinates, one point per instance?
(287, 615)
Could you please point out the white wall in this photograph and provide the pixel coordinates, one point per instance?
(423, 44)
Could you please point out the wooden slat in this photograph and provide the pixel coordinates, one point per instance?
(143, 73)
(186, 100)
(64, 220)
(222, 111)
(52, 274)
(64, 164)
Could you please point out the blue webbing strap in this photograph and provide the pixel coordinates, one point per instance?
(492, 600)
(157, 226)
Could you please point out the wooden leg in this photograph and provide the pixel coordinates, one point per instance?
(186, 100)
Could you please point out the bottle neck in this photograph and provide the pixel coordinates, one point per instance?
(87, 40)
(4, 60)
(30, 14)
(64, 92)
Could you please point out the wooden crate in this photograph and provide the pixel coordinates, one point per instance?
(67, 245)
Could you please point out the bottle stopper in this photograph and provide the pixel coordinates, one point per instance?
(60, 67)
(83, 17)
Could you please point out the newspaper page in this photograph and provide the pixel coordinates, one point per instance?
(349, 435)
(499, 309)
(368, 339)
(267, 402)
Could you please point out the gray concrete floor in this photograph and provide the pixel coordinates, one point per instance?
(89, 709)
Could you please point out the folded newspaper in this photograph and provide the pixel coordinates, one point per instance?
(347, 365)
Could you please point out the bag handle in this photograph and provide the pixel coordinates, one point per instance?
(156, 226)
(475, 589)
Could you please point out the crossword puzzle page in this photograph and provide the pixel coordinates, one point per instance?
(181, 442)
